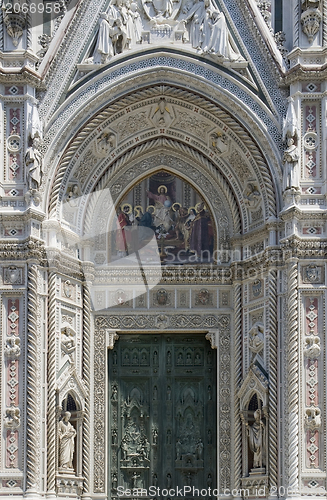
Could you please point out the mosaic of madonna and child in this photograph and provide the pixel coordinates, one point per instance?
(174, 211)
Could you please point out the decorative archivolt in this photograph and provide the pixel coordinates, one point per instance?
(137, 119)
(174, 157)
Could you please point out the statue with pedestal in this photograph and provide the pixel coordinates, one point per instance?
(67, 435)
(256, 435)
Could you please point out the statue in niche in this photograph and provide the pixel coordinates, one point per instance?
(256, 434)
(145, 449)
(178, 450)
(134, 481)
(67, 435)
(114, 436)
(199, 450)
(291, 172)
(155, 436)
(114, 482)
(67, 340)
(124, 449)
(33, 162)
(256, 336)
(67, 289)
(168, 480)
(114, 394)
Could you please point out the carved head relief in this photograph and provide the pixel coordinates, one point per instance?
(162, 297)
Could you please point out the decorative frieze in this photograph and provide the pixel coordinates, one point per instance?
(12, 396)
(312, 352)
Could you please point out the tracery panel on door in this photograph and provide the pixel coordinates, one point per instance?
(162, 412)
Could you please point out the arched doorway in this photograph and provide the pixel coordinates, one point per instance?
(162, 413)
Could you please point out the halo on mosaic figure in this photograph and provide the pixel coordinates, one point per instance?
(176, 206)
(129, 208)
(198, 204)
(138, 209)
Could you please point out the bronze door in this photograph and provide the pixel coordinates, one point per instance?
(162, 413)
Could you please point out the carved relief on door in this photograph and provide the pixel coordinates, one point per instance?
(162, 412)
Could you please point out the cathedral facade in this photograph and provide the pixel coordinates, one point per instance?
(163, 242)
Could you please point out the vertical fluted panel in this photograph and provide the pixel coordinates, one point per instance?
(293, 384)
(86, 376)
(51, 374)
(273, 389)
(33, 410)
(237, 383)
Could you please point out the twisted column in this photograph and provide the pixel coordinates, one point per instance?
(86, 376)
(273, 389)
(237, 383)
(293, 384)
(32, 427)
(51, 373)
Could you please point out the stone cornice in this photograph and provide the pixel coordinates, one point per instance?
(307, 73)
(24, 73)
(303, 248)
(295, 212)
